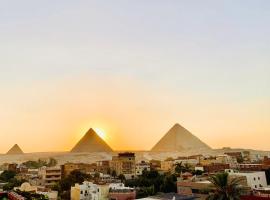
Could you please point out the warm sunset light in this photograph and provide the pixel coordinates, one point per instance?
(130, 70)
(101, 133)
(131, 93)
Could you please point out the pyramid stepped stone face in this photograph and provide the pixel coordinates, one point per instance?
(15, 150)
(179, 139)
(91, 142)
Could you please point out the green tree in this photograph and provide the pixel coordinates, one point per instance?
(52, 162)
(7, 175)
(151, 182)
(122, 177)
(225, 188)
(109, 171)
(178, 168)
(13, 182)
(187, 168)
(169, 184)
(114, 174)
(96, 176)
(63, 187)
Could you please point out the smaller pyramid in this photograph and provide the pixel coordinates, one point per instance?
(15, 150)
(91, 142)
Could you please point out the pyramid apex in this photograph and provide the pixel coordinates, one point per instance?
(90, 130)
(91, 142)
(177, 126)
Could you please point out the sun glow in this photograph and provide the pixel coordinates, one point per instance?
(100, 132)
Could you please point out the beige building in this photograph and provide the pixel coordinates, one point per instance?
(67, 168)
(89, 191)
(27, 187)
(124, 164)
(167, 165)
(49, 175)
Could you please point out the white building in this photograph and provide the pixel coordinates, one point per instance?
(192, 161)
(118, 186)
(255, 180)
(90, 191)
(85, 191)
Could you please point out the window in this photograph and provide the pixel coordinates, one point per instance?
(254, 179)
(255, 186)
(259, 178)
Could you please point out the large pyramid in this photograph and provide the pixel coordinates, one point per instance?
(179, 139)
(15, 150)
(91, 142)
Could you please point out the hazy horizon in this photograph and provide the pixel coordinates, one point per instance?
(133, 69)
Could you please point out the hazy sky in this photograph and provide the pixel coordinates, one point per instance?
(134, 68)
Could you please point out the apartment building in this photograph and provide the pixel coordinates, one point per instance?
(167, 165)
(67, 168)
(124, 164)
(86, 191)
(255, 180)
(49, 175)
(89, 191)
(103, 166)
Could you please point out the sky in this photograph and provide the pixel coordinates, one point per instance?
(133, 69)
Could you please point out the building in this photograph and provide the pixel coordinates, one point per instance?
(27, 187)
(187, 161)
(155, 164)
(118, 191)
(124, 164)
(250, 167)
(141, 166)
(67, 168)
(103, 166)
(87, 191)
(15, 196)
(237, 155)
(266, 161)
(170, 196)
(196, 188)
(49, 175)
(255, 180)
(226, 159)
(215, 167)
(167, 165)
(246, 156)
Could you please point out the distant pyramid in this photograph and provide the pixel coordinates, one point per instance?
(91, 142)
(15, 150)
(178, 139)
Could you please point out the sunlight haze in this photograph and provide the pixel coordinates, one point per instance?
(131, 70)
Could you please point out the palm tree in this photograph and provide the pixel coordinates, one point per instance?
(178, 168)
(187, 168)
(225, 188)
(122, 178)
